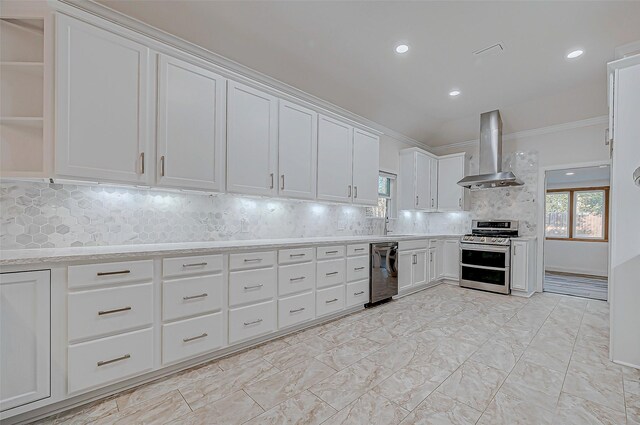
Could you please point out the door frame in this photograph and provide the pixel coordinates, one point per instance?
(542, 186)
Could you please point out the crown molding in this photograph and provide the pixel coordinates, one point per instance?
(603, 119)
(243, 72)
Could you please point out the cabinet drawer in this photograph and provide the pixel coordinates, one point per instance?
(324, 252)
(357, 249)
(358, 293)
(190, 296)
(330, 273)
(109, 359)
(410, 245)
(252, 260)
(102, 311)
(329, 300)
(296, 278)
(296, 309)
(357, 268)
(188, 338)
(183, 266)
(297, 255)
(105, 273)
(248, 322)
(250, 286)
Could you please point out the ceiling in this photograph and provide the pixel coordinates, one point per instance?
(580, 175)
(343, 52)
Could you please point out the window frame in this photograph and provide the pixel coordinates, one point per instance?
(572, 207)
(392, 199)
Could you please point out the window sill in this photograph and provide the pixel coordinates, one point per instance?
(576, 239)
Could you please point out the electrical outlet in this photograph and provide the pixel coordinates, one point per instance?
(244, 226)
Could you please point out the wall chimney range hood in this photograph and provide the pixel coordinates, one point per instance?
(491, 174)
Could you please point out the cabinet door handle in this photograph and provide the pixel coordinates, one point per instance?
(295, 279)
(193, 297)
(271, 186)
(113, 273)
(260, 285)
(330, 252)
(282, 182)
(253, 322)
(331, 301)
(415, 259)
(116, 310)
(193, 338)
(358, 268)
(297, 310)
(432, 202)
(117, 359)
(431, 257)
(141, 162)
(359, 249)
(417, 200)
(204, 263)
(331, 273)
(162, 166)
(355, 191)
(514, 249)
(296, 255)
(358, 293)
(251, 260)
(349, 187)
(460, 202)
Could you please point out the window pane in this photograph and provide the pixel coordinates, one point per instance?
(384, 186)
(589, 214)
(557, 215)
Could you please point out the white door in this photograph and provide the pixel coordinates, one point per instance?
(25, 332)
(191, 126)
(297, 151)
(451, 260)
(101, 104)
(405, 269)
(519, 265)
(423, 182)
(365, 167)
(433, 206)
(450, 194)
(420, 267)
(252, 131)
(334, 160)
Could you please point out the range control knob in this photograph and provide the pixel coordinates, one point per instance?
(493, 239)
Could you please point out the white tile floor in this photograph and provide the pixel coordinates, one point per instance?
(445, 355)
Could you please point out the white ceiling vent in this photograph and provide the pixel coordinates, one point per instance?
(494, 49)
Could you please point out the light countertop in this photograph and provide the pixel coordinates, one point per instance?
(118, 252)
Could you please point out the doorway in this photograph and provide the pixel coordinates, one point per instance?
(576, 231)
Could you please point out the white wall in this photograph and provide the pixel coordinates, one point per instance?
(389, 153)
(577, 257)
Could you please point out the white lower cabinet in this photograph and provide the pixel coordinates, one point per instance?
(330, 300)
(296, 278)
(250, 286)
(191, 296)
(523, 266)
(190, 337)
(357, 268)
(251, 321)
(106, 360)
(358, 293)
(433, 264)
(412, 268)
(451, 259)
(296, 309)
(330, 272)
(25, 333)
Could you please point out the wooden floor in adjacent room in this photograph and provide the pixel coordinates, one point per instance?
(594, 287)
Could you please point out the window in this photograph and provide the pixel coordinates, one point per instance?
(577, 214)
(386, 197)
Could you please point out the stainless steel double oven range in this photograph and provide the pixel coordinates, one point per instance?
(485, 255)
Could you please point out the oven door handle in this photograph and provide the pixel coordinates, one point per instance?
(490, 248)
(473, 266)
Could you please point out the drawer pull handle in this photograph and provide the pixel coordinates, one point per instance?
(331, 252)
(358, 268)
(195, 264)
(193, 297)
(359, 249)
(252, 260)
(113, 273)
(294, 279)
(331, 301)
(296, 255)
(358, 293)
(254, 286)
(117, 359)
(117, 310)
(253, 322)
(297, 310)
(193, 338)
(331, 273)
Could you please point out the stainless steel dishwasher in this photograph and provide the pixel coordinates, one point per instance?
(383, 279)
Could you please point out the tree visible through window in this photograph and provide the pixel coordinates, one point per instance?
(577, 214)
(386, 196)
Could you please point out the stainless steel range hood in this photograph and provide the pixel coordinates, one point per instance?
(491, 174)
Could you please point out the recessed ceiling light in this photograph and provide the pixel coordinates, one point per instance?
(569, 174)
(454, 93)
(575, 54)
(402, 48)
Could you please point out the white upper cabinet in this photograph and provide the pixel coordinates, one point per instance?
(297, 151)
(417, 181)
(252, 136)
(101, 104)
(434, 184)
(191, 126)
(365, 167)
(334, 160)
(423, 182)
(451, 196)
